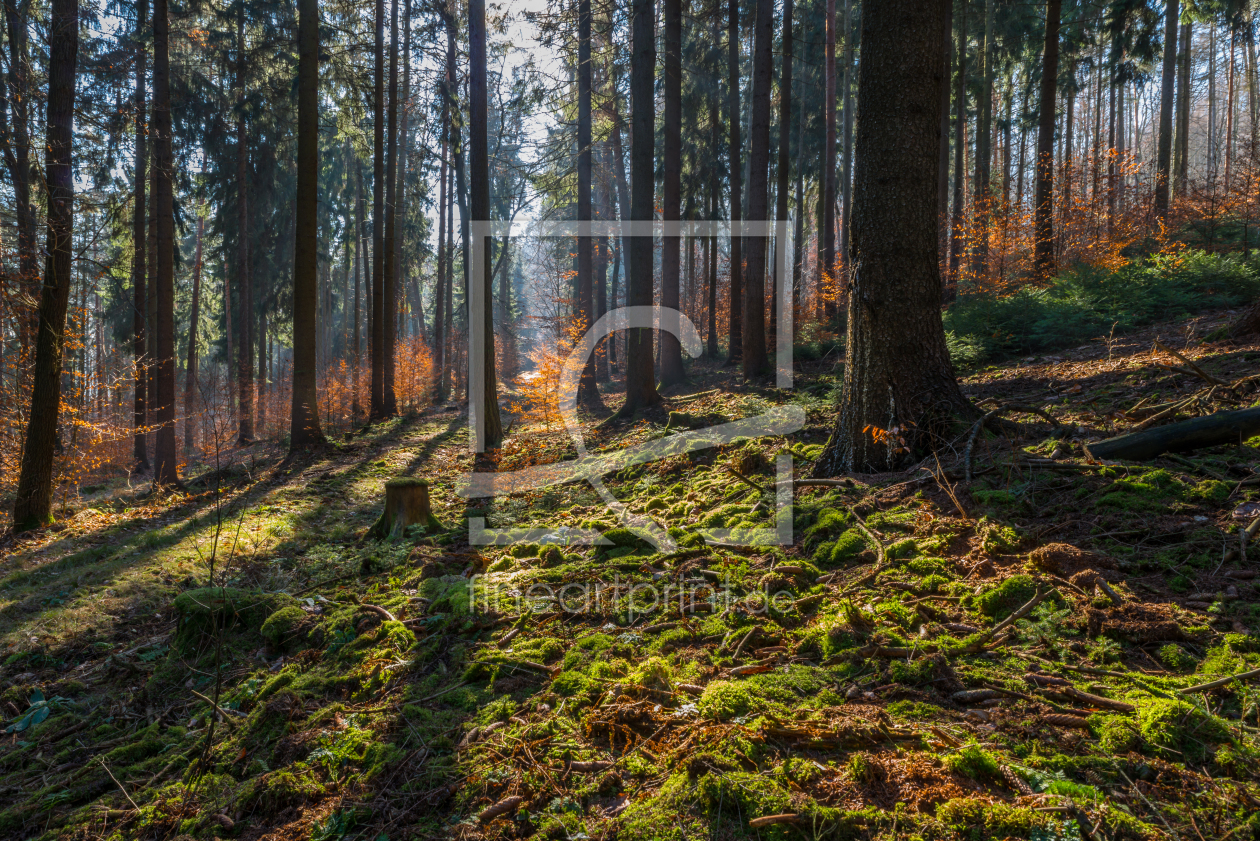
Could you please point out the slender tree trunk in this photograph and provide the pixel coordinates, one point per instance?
(376, 410)
(479, 172)
(828, 279)
(190, 378)
(1229, 112)
(784, 169)
(898, 380)
(245, 357)
(389, 265)
(588, 389)
(400, 192)
(640, 384)
(439, 288)
(1163, 158)
(262, 372)
(754, 335)
(33, 505)
(960, 145)
(1181, 147)
(942, 173)
(735, 342)
(166, 460)
(604, 211)
(360, 266)
(1043, 258)
(1113, 153)
(140, 241)
(671, 188)
(984, 151)
(846, 174)
(18, 154)
(1212, 148)
(715, 138)
(304, 428)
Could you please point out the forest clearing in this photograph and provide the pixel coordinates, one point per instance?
(635, 421)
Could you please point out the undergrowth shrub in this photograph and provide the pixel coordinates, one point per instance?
(1085, 302)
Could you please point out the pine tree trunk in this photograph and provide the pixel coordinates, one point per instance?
(140, 241)
(18, 160)
(829, 282)
(899, 382)
(984, 151)
(376, 410)
(360, 266)
(244, 360)
(783, 172)
(1043, 224)
(389, 287)
(715, 139)
(1163, 157)
(190, 379)
(1181, 142)
(166, 459)
(439, 286)
(942, 174)
(846, 167)
(640, 383)
(671, 188)
(33, 506)
(487, 407)
(735, 342)
(755, 362)
(588, 390)
(960, 145)
(304, 428)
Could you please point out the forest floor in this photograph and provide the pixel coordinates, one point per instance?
(427, 688)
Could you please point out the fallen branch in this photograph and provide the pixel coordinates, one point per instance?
(1172, 409)
(771, 820)
(1194, 369)
(1196, 433)
(222, 712)
(501, 808)
(978, 643)
(1213, 684)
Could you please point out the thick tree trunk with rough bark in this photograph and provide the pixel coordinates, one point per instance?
(828, 280)
(899, 383)
(376, 410)
(1043, 219)
(783, 171)
(671, 187)
(984, 149)
(755, 362)
(33, 506)
(304, 428)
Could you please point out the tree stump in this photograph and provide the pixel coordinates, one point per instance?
(406, 505)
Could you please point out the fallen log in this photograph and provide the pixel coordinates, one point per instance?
(1196, 433)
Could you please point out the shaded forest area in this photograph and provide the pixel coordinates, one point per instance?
(330, 516)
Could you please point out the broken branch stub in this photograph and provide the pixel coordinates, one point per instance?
(406, 505)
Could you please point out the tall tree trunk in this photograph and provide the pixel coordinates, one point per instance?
(140, 241)
(588, 390)
(1113, 153)
(640, 384)
(360, 266)
(735, 342)
(603, 208)
(783, 172)
(487, 406)
(18, 155)
(846, 166)
(262, 372)
(755, 361)
(984, 151)
(1229, 111)
(671, 189)
(828, 280)
(33, 505)
(1043, 224)
(376, 410)
(190, 374)
(1181, 141)
(400, 211)
(960, 145)
(1213, 162)
(439, 286)
(942, 173)
(389, 293)
(166, 460)
(715, 139)
(1163, 157)
(245, 356)
(898, 381)
(304, 428)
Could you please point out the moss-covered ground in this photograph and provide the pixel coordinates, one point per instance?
(243, 662)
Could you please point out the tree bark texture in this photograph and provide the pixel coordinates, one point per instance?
(755, 362)
(899, 383)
